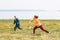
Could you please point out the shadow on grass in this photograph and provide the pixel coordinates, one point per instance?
(38, 34)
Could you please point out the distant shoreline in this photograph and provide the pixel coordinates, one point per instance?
(40, 19)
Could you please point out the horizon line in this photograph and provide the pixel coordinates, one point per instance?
(14, 10)
(23, 10)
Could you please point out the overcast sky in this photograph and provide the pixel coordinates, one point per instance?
(45, 9)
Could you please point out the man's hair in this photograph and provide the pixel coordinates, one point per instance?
(14, 16)
(35, 16)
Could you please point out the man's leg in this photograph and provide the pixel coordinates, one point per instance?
(41, 27)
(15, 28)
(19, 27)
(34, 29)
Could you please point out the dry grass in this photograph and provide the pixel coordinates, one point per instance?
(7, 32)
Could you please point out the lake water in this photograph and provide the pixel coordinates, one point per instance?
(28, 14)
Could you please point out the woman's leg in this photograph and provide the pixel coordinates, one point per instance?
(34, 29)
(41, 27)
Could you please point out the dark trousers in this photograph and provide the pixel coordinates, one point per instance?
(41, 27)
(17, 26)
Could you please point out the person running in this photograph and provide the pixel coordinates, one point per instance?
(37, 24)
(17, 24)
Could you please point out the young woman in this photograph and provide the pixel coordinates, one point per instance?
(37, 24)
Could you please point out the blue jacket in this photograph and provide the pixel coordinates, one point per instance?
(16, 22)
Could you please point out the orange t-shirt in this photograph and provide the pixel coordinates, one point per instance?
(36, 22)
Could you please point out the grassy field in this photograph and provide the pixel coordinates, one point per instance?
(7, 32)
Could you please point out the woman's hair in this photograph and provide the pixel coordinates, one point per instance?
(35, 16)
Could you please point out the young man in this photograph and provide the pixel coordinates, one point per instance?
(17, 24)
(37, 24)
